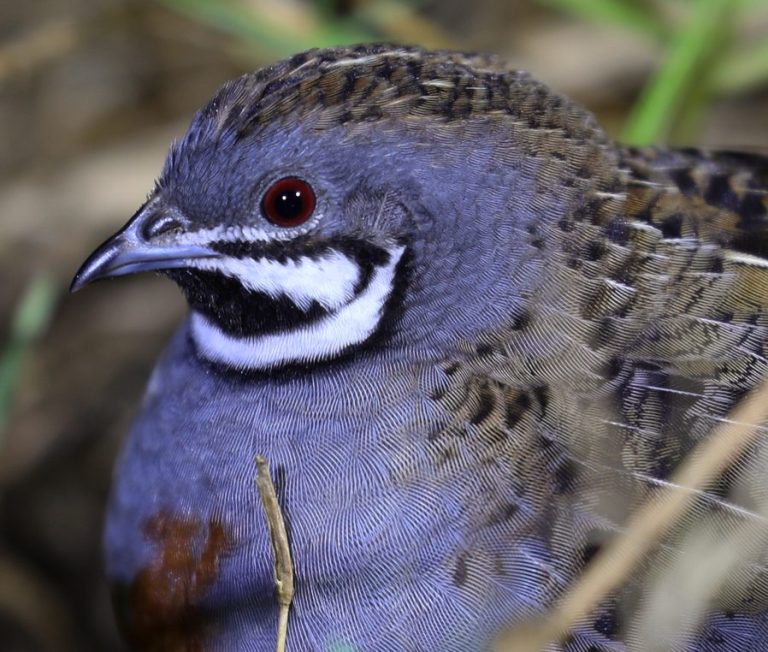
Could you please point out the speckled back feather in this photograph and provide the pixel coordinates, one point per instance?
(654, 326)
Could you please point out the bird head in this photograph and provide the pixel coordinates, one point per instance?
(371, 198)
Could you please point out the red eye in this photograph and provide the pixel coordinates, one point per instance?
(288, 202)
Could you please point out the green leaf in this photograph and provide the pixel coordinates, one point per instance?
(279, 33)
(684, 73)
(742, 70)
(29, 321)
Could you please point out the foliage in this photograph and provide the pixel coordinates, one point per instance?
(282, 29)
(705, 56)
(29, 322)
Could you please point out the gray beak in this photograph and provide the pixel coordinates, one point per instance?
(130, 251)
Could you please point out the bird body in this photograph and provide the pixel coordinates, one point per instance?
(469, 333)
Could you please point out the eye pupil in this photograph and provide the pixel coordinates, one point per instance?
(288, 202)
(289, 205)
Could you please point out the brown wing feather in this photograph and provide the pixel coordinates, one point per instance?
(646, 330)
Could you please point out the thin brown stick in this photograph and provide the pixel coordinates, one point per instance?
(648, 524)
(280, 548)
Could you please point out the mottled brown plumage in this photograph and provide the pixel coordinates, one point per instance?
(665, 331)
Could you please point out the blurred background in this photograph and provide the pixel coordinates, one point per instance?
(91, 94)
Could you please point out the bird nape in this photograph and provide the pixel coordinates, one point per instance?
(471, 335)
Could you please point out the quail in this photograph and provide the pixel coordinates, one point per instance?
(469, 332)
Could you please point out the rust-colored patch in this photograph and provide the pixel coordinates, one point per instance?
(161, 610)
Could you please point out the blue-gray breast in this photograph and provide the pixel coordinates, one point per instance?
(468, 332)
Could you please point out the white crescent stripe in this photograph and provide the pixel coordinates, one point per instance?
(351, 324)
(330, 279)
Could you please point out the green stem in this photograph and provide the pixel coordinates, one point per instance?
(691, 47)
(742, 70)
(262, 29)
(30, 320)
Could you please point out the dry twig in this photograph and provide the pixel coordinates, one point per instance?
(280, 548)
(647, 526)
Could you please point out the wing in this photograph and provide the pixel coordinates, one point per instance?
(706, 241)
(643, 334)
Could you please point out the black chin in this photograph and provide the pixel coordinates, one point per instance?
(238, 311)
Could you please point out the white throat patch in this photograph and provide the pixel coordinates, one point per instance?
(329, 281)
